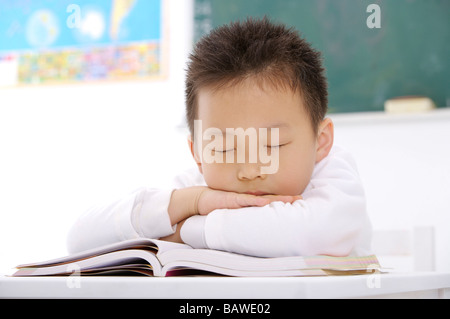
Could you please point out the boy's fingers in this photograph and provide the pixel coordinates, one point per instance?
(244, 200)
(237, 200)
(283, 198)
(252, 200)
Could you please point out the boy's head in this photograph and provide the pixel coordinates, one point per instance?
(257, 75)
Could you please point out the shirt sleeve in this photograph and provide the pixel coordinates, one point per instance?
(143, 213)
(331, 219)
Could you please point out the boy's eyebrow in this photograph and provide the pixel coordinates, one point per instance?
(279, 125)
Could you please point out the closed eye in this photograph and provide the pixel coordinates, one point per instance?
(224, 151)
(276, 146)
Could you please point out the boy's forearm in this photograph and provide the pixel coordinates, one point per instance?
(184, 203)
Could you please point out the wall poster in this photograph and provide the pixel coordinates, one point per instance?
(77, 41)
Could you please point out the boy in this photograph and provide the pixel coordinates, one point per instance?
(264, 79)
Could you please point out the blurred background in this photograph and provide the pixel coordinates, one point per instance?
(92, 106)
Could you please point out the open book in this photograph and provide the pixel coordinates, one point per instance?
(160, 258)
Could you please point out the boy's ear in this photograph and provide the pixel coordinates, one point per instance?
(194, 153)
(325, 138)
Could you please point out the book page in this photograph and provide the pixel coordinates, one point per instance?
(137, 243)
(104, 261)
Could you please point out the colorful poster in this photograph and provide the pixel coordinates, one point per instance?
(45, 41)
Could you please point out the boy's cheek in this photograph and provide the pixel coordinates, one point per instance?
(215, 175)
(299, 186)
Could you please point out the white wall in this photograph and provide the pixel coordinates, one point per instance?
(404, 163)
(64, 148)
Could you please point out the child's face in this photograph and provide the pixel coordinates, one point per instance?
(245, 106)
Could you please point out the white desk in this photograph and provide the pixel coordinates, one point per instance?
(413, 285)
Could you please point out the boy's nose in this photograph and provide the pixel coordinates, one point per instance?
(248, 172)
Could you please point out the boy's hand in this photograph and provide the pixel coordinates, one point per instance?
(202, 200)
(186, 202)
(210, 199)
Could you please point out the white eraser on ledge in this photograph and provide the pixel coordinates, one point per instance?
(408, 104)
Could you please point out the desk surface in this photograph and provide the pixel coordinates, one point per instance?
(414, 285)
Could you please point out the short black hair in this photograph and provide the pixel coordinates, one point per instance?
(264, 50)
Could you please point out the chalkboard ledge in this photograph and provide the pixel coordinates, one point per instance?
(360, 118)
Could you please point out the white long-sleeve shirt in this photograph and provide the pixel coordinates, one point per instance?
(331, 219)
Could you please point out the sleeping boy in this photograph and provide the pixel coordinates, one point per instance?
(268, 180)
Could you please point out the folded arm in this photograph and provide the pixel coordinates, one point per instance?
(154, 213)
(330, 219)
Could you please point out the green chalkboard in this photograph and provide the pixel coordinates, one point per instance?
(408, 55)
